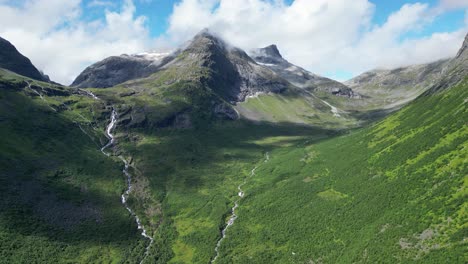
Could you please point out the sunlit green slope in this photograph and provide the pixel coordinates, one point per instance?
(394, 192)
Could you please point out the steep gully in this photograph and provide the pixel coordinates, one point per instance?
(110, 127)
(233, 217)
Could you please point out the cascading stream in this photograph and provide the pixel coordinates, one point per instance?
(110, 127)
(111, 142)
(233, 217)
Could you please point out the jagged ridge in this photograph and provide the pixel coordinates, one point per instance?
(271, 58)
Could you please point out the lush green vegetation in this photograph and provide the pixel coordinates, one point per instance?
(188, 180)
(185, 180)
(393, 192)
(320, 197)
(60, 195)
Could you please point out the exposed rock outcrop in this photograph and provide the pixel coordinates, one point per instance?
(233, 74)
(271, 57)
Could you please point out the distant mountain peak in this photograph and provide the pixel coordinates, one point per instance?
(206, 34)
(272, 51)
(269, 55)
(271, 58)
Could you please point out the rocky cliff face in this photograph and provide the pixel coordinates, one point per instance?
(118, 69)
(270, 57)
(12, 60)
(456, 70)
(231, 72)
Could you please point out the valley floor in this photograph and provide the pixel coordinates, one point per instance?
(392, 192)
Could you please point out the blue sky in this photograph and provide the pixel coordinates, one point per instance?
(334, 38)
(158, 12)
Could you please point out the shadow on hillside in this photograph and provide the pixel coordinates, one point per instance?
(180, 156)
(52, 155)
(372, 116)
(55, 184)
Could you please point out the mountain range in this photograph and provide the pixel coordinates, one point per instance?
(211, 154)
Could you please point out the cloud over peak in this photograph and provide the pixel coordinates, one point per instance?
(324, 36)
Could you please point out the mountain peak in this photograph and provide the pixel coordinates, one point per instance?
(269, 55)
(208, 34)
(272, 51)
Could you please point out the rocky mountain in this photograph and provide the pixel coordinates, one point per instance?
(118, 69)
(271, 58)
(232, 82)
(395, 87)
(391, 89)
(11, 59)
(411, 76)
(231, 72)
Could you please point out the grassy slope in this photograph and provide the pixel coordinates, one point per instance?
(293, 106)
(60, 195)
(194, 177)
(334, 200)
(186, 180)
(395, 192)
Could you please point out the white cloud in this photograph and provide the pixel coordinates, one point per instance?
(101, 3)
(321, 35)
(54, 36)
(453, 4)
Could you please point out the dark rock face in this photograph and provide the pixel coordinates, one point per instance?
(270, 57)
(12, 60)
(233, 74)
(225, 111)
(115, 70)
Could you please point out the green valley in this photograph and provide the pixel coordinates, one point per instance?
(229, 161)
